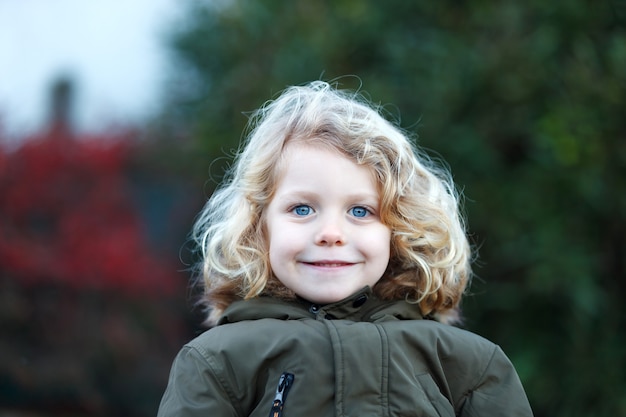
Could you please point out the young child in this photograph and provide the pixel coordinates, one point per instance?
(334, 260)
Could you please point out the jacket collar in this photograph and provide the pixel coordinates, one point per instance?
(361, 306)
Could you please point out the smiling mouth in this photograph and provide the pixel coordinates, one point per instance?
(330, 264)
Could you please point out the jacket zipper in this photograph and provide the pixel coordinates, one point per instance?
(284, 384)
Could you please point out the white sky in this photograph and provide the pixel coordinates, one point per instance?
(114, 50)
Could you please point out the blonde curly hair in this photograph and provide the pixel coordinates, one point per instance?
(430, 254)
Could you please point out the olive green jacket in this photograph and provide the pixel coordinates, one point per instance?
(358, 357)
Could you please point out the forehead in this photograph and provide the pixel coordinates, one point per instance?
(299, 152)
(303, 165)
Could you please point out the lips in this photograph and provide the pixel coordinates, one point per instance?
(329, 264)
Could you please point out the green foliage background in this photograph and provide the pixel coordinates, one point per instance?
(526, 103)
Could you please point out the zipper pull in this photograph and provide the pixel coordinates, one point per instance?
(284, 384)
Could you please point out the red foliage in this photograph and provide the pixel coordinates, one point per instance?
(67, 217)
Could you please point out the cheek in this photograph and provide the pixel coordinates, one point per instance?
(380, 244)
(282, 254)
(280, 242)
(382, 236)
(274, 255)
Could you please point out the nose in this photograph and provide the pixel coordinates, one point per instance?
(331, 233)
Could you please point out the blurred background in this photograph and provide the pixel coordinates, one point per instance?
(117, 122)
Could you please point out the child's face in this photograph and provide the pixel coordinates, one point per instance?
(326, 239)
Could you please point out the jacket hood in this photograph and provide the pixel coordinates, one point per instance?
(361, 306)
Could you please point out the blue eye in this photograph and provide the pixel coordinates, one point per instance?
(359, 211)
(302, 210)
